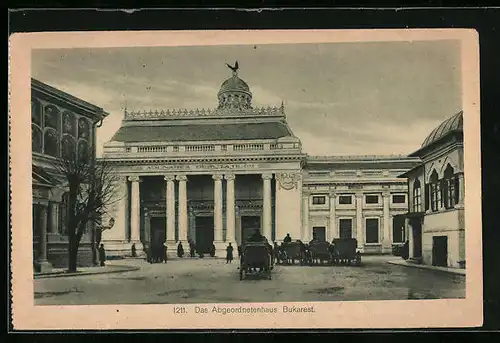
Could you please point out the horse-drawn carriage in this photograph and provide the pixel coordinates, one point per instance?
(256, 258)
(320, 252)
(290, 252)
(345, 251)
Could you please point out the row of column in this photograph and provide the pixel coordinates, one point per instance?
(44, 223)
(332, 225)
(183, 211)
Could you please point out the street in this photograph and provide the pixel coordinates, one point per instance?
(214, 281)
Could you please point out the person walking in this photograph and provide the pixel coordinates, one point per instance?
(229, 253)
(102, 255)
(180, 250)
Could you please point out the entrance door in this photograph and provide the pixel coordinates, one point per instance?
(345, 228)
(248, 226)
(417, 238)
(440, 251)
(157, 230)
(319, 233)
(204, 227)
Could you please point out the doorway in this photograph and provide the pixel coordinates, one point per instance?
(157, 230)
(248, 226)
(440, 251)
(204, 226)
(416, 225)
(345, 227)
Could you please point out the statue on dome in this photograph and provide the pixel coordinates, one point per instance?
(234, 69)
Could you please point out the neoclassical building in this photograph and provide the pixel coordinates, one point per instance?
(216, 175)
(436, 205)
(60, 124)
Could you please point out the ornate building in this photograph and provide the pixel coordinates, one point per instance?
(216, 175)
(436, 207)
(60, 124)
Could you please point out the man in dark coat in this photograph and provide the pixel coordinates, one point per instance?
(192, 248)
(229, 253)
(102, 255)
(180, 250)
(287, 238)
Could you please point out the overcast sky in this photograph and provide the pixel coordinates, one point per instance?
(340, 98)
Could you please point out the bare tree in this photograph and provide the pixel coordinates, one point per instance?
(92, 185)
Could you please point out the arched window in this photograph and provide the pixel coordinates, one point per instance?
(435, 190)
(83, 128)
(83, 150)
(68, 147)
(450, 187)
(417, 196)
(51, 117)
(36, 113)
(51, 143)
(36, 139)
(69, 123)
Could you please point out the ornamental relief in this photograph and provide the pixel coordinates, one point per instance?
(288, 181)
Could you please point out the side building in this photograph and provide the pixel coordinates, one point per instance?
(60, 124)
(435, 216)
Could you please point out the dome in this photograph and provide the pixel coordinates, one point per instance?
(450, 125)
(234, 94)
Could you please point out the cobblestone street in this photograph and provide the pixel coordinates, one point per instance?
(214, 281)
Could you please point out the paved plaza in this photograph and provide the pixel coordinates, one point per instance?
(214, 281)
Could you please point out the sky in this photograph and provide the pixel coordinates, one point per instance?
(360, 98)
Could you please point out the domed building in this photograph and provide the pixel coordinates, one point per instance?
(210, 177)
(436, 203)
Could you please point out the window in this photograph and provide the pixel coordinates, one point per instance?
(450, 187)
(371, 199)
(398, 199)
(371, 230)
(68, 148)
(319, 232)
(345, 226)
(36, 139)
(417, 196)
(51, 143)
(319, 200)
(345, 199)
(435, 189)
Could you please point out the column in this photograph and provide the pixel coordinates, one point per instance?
(54, 217)
(170, 207)
(461, 193)
(230, 209)
(305, 219)
(386, 244)
(42, 256)
(183, 215)
(332, 228)
(267, 206)
(135, 215)
(409, 237)
(360, 236)
(217, 208)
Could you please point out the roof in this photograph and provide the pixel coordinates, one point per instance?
(234, 84)
(202, 132)
(450, 125)
(42, 177)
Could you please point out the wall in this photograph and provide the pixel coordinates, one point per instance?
(288, 205)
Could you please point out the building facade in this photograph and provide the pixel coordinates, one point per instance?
(60, 124)
(436, 205)
(214, 176)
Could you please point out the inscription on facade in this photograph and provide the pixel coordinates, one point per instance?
(203, 166)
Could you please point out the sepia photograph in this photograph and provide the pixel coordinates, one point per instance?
(287, 175)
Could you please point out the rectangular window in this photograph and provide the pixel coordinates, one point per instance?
(435, 196)
(345, 199)
(371, 199)
(345, 226)
(398, 199)
(319, 200)
(319, 232)
(417, 199)
(450, 193)
(372, 230)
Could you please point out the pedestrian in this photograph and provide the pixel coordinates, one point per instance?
(134, 252)
(180, 250)
(229, 253)
(192, 248)
(102, 255)
(212, 251)
(164, 252)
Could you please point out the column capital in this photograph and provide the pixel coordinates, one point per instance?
(359, 194)
(181, 177)
(217, 177)
(229, 177)
(267, 176)
(386, 194)
(333, 194)
(134, 178)
(169, 177)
